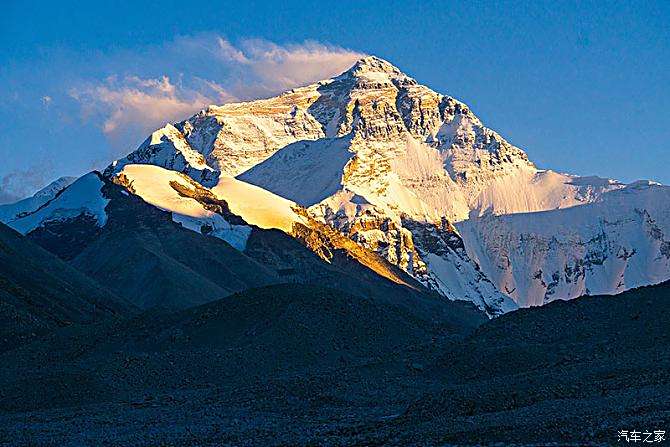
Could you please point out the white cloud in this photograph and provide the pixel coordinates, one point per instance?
(139, 102)
(20, 183)
(282, 67)
(208, 69)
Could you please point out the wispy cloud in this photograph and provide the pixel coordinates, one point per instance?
(279, 67)
(136, 101)
(200, 70)
(21, 183)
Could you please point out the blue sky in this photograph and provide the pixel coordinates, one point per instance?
(581, 86)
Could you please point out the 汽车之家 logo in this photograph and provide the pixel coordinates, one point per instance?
(641, 436)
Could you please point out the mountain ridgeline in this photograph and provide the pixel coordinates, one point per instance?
(428, 196)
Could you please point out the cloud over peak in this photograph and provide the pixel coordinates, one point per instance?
(134, 100)
(191, 72)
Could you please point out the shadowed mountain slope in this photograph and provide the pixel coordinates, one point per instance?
(40, 292)
(143, 255)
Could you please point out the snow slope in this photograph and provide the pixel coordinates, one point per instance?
(168, 148)
(156, 186)
(618, 243)
(309, 171)
(13, 210)
(83, 197)
(231, 207)
(256, 206)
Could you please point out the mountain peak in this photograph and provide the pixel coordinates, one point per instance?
(54, 187)
(374, 63)
(374, 67)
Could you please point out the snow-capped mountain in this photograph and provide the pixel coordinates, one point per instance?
(405, 172)
(11, 211)
(619, 242)
(83, 196)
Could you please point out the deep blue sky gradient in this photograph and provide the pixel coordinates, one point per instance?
(583, 86)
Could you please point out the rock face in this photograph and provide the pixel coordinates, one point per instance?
(414, 176)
